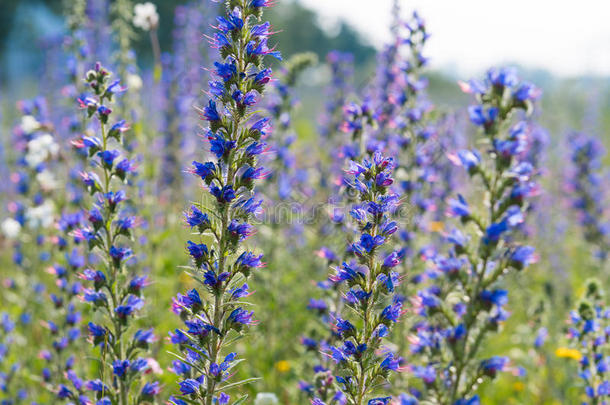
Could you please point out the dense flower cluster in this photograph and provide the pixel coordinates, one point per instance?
(362, 363)
(589, 197)
(114, 288)
(589, 330)
(414, 136)
(464, 302)
(219, 261)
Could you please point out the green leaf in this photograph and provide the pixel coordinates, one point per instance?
(242, 382)
(241, 400)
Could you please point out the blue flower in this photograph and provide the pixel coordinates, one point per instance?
(204, 170)
(196, 218)
(223, 195)
(495, 297)
(197, 251)
(108, 156)
(392, 312)
(119, 367)
(522, 257)
(493, 365)
(219, 146)
(459, 207)
(241, 316)
(482, 116)
(210, 113)
(189, 386)
(129, 306)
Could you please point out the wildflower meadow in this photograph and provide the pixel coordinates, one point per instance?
(219, 202)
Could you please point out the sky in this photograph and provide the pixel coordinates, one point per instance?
(565, 37)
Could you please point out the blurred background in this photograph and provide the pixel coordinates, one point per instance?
(564, 53)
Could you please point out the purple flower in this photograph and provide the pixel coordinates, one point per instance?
(241, 316)
(392, 260)
(108, 156)
(203, 170)
(249, 260)
(482, 116)
(458, 208)
(197, 251)
(493, 365)
(150, 389)
(392, 312)
(118, 254)
(495, 297)
(129, 306)
(522, 257)
(219, 146)
(189, 386)
(223, 195)
(196, 218)
(240, 230)
(210, 113)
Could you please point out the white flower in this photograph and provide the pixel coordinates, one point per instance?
(10, 228)
(40, 149)
(145, 16)
(47, 180)
(40, 216)
(266, 398)
(134, 82)
(29, 124)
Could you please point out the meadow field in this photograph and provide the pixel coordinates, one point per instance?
(198, 206)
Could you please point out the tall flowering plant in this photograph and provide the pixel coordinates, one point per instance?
(115, 289)
(588, 332)
(586, 184)
(465, 302)
(416, 140)
(329, 303)
(362, 362)
(217, 314)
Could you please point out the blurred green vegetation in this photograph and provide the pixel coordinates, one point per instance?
(297, 26)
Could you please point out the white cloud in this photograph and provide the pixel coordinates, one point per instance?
(562, 36)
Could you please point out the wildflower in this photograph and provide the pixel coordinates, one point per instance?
(10, 228)
(492, 365)
(108, 222)
(146, 16)
(479, 255)
(564, 352)
(234, 136)
(585, 324)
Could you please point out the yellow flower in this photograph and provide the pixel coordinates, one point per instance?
(435, 226)
(282, 366)
(568, 353)
(518, 386)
